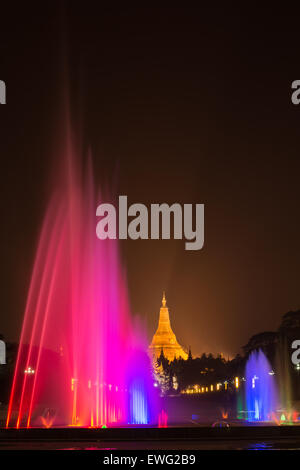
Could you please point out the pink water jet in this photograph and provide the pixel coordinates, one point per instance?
(162, 419)
(78, 349)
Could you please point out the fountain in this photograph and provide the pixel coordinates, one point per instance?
(261, 389)
(79, 362)
(283, 366)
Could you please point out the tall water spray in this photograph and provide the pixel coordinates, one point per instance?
(79, 361)
(261, 390)
(283, 366)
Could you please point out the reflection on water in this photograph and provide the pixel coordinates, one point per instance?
(226, 444)
(88, 448)
(260, 446)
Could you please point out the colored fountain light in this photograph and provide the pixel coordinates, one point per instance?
(162, 419)
(261, 389)
(79, 362)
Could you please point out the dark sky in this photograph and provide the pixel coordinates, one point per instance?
(188, 105)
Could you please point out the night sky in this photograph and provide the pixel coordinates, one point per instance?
(187, 105)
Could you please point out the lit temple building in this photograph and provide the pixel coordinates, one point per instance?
(164, 338)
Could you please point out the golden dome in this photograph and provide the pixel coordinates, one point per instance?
(164, 338)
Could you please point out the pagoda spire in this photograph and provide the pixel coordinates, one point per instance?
(164, 339)
(164, 302)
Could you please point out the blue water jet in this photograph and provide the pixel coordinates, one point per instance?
(261, 389)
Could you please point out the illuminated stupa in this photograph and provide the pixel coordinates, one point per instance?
(164, 338)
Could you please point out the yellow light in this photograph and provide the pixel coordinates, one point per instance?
(211, 388)
(206, 389)
(73, 384)
(202, 389)
(237, 382)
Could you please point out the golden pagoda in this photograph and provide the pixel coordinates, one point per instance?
(164, 338)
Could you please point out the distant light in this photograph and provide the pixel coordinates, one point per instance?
(237, 382)
(271, 372)
(155, 384)
(29, 370)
